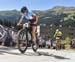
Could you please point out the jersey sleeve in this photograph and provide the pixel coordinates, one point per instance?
(33, 14)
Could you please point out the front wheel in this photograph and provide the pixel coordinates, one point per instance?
(22, 40)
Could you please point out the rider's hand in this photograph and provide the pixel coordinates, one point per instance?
(19, 24)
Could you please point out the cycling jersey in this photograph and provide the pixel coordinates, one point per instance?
(59, 33)
(29, 15)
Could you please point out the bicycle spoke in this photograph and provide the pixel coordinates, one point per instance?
(22, 41)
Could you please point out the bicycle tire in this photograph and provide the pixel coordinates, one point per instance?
(24, 39)
(37, 45)
(30, 38)
(2, 32)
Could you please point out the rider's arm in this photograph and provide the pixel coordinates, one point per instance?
(55, 34)
(20, 20)
(36, 18)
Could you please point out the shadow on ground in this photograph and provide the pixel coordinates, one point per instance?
(8, 51)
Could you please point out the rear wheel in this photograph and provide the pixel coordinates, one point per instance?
(22, 41)
(35, 47)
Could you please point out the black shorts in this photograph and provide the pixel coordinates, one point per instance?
(32, 22)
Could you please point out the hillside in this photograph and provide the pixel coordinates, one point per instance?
(55, 16)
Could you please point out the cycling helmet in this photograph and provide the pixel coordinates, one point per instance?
(57, 30)
(23, 9)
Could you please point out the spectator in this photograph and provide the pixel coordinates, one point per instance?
(14, 37)
(58, 37)
(8, 39)
(48, 42)
(41, 42)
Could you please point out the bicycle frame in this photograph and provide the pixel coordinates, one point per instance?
(27, 30)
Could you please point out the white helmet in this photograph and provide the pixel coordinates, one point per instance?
(57, 30)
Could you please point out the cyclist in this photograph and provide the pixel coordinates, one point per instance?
(58, 37)
(32, 18)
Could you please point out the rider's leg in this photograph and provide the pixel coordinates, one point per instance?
(34, 34)
(59, 43)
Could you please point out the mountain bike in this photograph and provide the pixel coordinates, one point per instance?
(25, 38)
